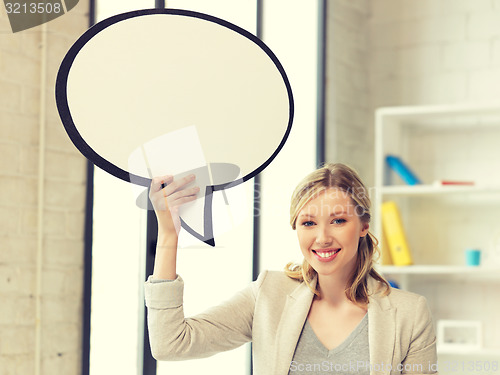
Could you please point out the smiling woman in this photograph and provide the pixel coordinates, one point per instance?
(330, 210)
(335, 308)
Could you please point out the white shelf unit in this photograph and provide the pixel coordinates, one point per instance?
(443, 270)
(437, 190)
(489, 352)
(454, 143)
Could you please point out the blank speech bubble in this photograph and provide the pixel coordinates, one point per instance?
(140, 78)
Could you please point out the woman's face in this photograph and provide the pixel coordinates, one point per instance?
(329, 229)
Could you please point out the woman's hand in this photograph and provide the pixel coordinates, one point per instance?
(167, 196)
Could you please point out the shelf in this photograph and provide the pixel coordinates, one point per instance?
(436, 190)
(440, 270)
(484, 352)
(482, 113)
(446, 142)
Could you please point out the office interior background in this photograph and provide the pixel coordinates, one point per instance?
(72, 299)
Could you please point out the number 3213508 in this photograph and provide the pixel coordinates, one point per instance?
(33, 8)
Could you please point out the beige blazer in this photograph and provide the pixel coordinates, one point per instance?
(271, 312)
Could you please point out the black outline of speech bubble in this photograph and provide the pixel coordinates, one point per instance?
(89, 153)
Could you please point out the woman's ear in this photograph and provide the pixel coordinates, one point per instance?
(364, 229)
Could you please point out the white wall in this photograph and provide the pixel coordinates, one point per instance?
(433, 51)
(349, 139)
(42, 204)
(442, 52)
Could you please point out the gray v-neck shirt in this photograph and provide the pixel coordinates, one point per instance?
(352, 356)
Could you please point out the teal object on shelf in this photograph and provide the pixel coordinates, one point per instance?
(472, 257)
(402, 170)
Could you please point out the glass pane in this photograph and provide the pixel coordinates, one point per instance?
(212, 275)
(118, 264)
(298, 156)
(116, 277)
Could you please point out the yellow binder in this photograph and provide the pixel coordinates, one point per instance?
(395, 234)
(385, 254)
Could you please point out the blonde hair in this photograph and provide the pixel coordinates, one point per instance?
(346, 179)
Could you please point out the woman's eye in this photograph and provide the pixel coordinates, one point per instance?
(308, 223)
(339, 221)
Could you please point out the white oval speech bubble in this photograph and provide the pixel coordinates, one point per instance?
(167, 91)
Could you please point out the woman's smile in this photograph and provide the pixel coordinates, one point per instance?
(326, 255)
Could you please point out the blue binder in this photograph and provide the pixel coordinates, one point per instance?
(402, 170)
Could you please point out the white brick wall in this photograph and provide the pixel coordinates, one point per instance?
(433, 51)
(64, 182)
(347, 92)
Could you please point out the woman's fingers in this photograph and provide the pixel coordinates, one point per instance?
(165, 192)
(182, 196)
(173, 186)
(157, 183)
(167, 195)
(181, 201)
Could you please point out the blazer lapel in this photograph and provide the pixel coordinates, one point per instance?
(381, 335)
(382, 332)
(290, 326)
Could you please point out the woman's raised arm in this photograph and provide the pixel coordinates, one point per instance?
(167, 196)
